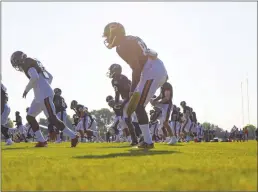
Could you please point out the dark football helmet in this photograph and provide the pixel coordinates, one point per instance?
(27, 109)
(57, 91)
(109, 98)
(17, 113)
(17, 60)
(73, 105)
(114, 69)
(183, 103)
(112, 32)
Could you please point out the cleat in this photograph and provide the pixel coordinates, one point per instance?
(74, 141)
(41, 144)
(144, 145)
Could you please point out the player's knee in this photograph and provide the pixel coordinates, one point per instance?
(142, 115)
(33, 122)
(56, 122)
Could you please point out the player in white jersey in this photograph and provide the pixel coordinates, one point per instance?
(5, 111)
(39, 81)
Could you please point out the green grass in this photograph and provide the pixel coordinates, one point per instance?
(110, 166)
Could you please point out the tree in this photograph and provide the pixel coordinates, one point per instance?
(10, 123)
(251, 130)
(103, 118)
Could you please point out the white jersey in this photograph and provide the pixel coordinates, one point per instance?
(40, 84)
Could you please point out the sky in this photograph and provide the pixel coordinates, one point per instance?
(208, 48)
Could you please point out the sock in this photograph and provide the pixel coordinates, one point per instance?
(69, 132)
(58, 137)
(146, 133)
(39, 136)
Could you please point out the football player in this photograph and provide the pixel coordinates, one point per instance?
(40, 80)
(155, 113)
(20, 127)
(83, 125)
(148, 73)
(60, 106)
(186, 119)
(118, 121)
(122, 86)
(164, 101)
(175, 120)
(5, 111)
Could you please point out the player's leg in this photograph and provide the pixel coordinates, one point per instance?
(49, 110)
(5, 111)
(128, 120)
(79, 128)
(34, 110)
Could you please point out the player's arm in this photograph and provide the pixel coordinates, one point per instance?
(50, 79)
(136, 74)
(117, 96)
(33, 78)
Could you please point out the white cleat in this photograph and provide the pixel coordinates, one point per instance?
(10, 142)
(172, 141)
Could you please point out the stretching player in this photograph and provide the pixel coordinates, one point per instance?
(164, 101)
(60, 106)
(5, 111)
(20, 126)
(40, 80)
(122, 86)
(186, 120)
(148, 73)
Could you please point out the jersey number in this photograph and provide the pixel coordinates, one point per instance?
(115, 88)
(63, 104)
(146, 51)
(45, 74)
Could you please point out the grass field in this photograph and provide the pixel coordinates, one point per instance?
(111, 166)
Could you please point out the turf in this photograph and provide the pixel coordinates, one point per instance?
(111, 166)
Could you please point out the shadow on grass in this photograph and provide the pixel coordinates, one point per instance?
(123, 146)
(16, 148)
(132, 153)
(128, 146)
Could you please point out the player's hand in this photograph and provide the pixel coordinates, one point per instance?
(24, 94)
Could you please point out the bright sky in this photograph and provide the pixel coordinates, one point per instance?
(208, 49)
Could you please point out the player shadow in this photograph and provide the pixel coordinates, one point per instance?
(123, 146)
(132, 153)
(16, 148)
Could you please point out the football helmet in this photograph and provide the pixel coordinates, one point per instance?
(183, 103)
(27, 109)
(73, 105)
(57, 91)
(114, 69)
(109, 98)
(112, 32)
(17, 60)
(17, 113)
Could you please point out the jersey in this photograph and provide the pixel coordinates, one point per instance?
(121, 86)
(33, 69)
(118, 112)
(166, 87)
(18, 120)
(133, 51)
(4, 97)
(194, 119)
(175, 114)
(186, 108)
(59, 103)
